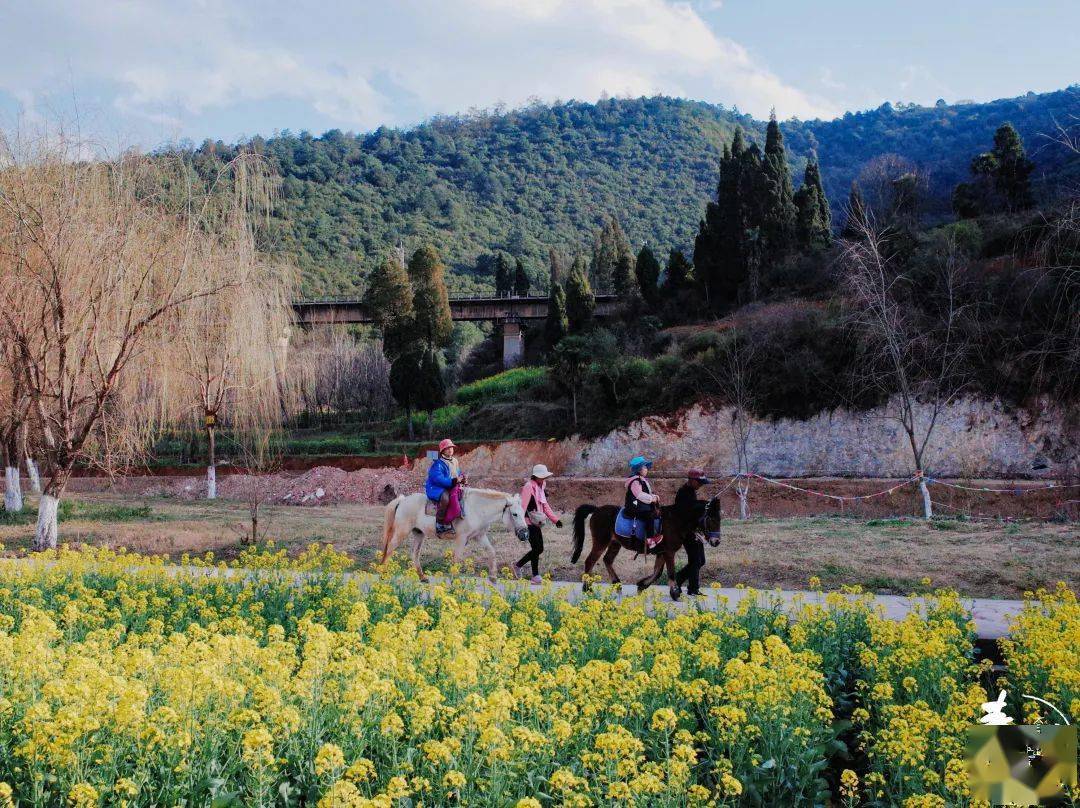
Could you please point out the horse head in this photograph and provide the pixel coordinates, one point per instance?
(711, 520)
(514, 517)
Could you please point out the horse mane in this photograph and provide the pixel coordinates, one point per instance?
(488, 493)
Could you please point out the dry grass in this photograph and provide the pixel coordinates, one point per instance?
(984, 559)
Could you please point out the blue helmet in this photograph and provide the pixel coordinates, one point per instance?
(638, 462)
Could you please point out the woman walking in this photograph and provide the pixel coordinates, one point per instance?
(534, 499)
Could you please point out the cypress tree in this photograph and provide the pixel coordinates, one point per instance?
(389, 298)
(609, 245)
(580, 302)
(647, 269)
(556, 326)
(521, 279)
(504, 276)
(679, 274)
(814, 222)
(623, 281)
(778, 204)
(430, 299)
(555, 268)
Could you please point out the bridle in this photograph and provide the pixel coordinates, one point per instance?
(712, 536)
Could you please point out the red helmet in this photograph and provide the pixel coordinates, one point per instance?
(445, 444)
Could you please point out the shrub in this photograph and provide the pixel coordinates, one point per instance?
(505, 386)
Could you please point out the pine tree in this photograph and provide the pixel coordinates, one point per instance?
(521, 279)
(609, 245)
(647, 269)
(778, 204)
(814, 221)
(580, 302)
(1010, 168)
(430, 299)
(856, 214)
(556, 326)
(389, 298)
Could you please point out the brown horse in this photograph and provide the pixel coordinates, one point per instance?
(677, 528)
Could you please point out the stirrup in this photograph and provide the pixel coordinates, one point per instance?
(444, 528)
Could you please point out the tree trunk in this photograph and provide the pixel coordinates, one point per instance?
(13, 501)
(35, 475)
(573, 402)
(254, 527)
(46, 534)
(928, 510)
(408, 420)
(211, 468)
(743, 491)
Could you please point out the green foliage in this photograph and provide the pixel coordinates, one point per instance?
(504, 276)
(778, 204)
(389, 298)
(431, 302)
(612, 266)
(521, 279)
(505, 386)
(647, 269)
(443, 421)
(73, 510)
(814, 218)
(580, 301)
(513, 181)
(1002, 178)
(557, 324)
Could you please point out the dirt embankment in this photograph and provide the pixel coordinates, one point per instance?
(327, 485)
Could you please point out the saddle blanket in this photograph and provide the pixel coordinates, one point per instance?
(629, 527)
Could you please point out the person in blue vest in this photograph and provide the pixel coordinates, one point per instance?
(641, 502)
(443, 486)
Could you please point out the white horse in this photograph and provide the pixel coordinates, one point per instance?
(406, 516)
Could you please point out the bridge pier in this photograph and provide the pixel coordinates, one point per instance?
(513, 342)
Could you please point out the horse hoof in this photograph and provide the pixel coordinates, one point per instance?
(642, 584)
(586, 586)
(676, 592)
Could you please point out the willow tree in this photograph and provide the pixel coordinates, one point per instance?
(101, 265)
(232, 352)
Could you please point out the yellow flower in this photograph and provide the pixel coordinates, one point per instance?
(83, 795)
(664, 720)
(328, 759)
(730, 786)
(528, 802)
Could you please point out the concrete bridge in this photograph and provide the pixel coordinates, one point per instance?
(508, 312)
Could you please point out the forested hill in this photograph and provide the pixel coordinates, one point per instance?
(544, 176)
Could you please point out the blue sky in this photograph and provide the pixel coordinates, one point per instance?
(159, 70)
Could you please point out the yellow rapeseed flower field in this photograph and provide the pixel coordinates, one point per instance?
(125, 682)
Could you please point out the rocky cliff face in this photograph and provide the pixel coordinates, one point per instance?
(974, 438)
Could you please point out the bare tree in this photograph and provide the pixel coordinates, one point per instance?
(733, 376)
(332, 371)
(260, 451)
(231, 355)
(100, 263)
(919, 338)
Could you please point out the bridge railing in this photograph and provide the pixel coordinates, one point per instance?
(333, 300)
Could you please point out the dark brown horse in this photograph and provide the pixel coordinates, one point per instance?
(677, 528)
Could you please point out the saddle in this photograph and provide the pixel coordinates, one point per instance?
(632, 531)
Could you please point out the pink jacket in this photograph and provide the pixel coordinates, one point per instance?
(639, 493)
(534, 490)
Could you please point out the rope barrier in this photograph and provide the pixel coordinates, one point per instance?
(1017, 491)
(886, 491)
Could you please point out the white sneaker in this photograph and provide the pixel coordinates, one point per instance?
(536, 579)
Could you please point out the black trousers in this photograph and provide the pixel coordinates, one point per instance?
(695, 560)
(536, 547)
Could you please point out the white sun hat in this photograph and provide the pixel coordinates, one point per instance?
(540, 471)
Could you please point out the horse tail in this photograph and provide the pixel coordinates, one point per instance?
(388, 524)
(580, 515)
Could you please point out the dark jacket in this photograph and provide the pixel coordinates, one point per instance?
(686, 498)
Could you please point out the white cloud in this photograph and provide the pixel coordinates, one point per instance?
(361, 64)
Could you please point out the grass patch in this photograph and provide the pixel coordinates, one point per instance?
(506, 386)
(72, 510)
(446, 419)
(893, 521)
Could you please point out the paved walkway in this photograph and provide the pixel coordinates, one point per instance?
(991, 616)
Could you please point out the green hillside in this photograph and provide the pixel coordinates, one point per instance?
(544, 176)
